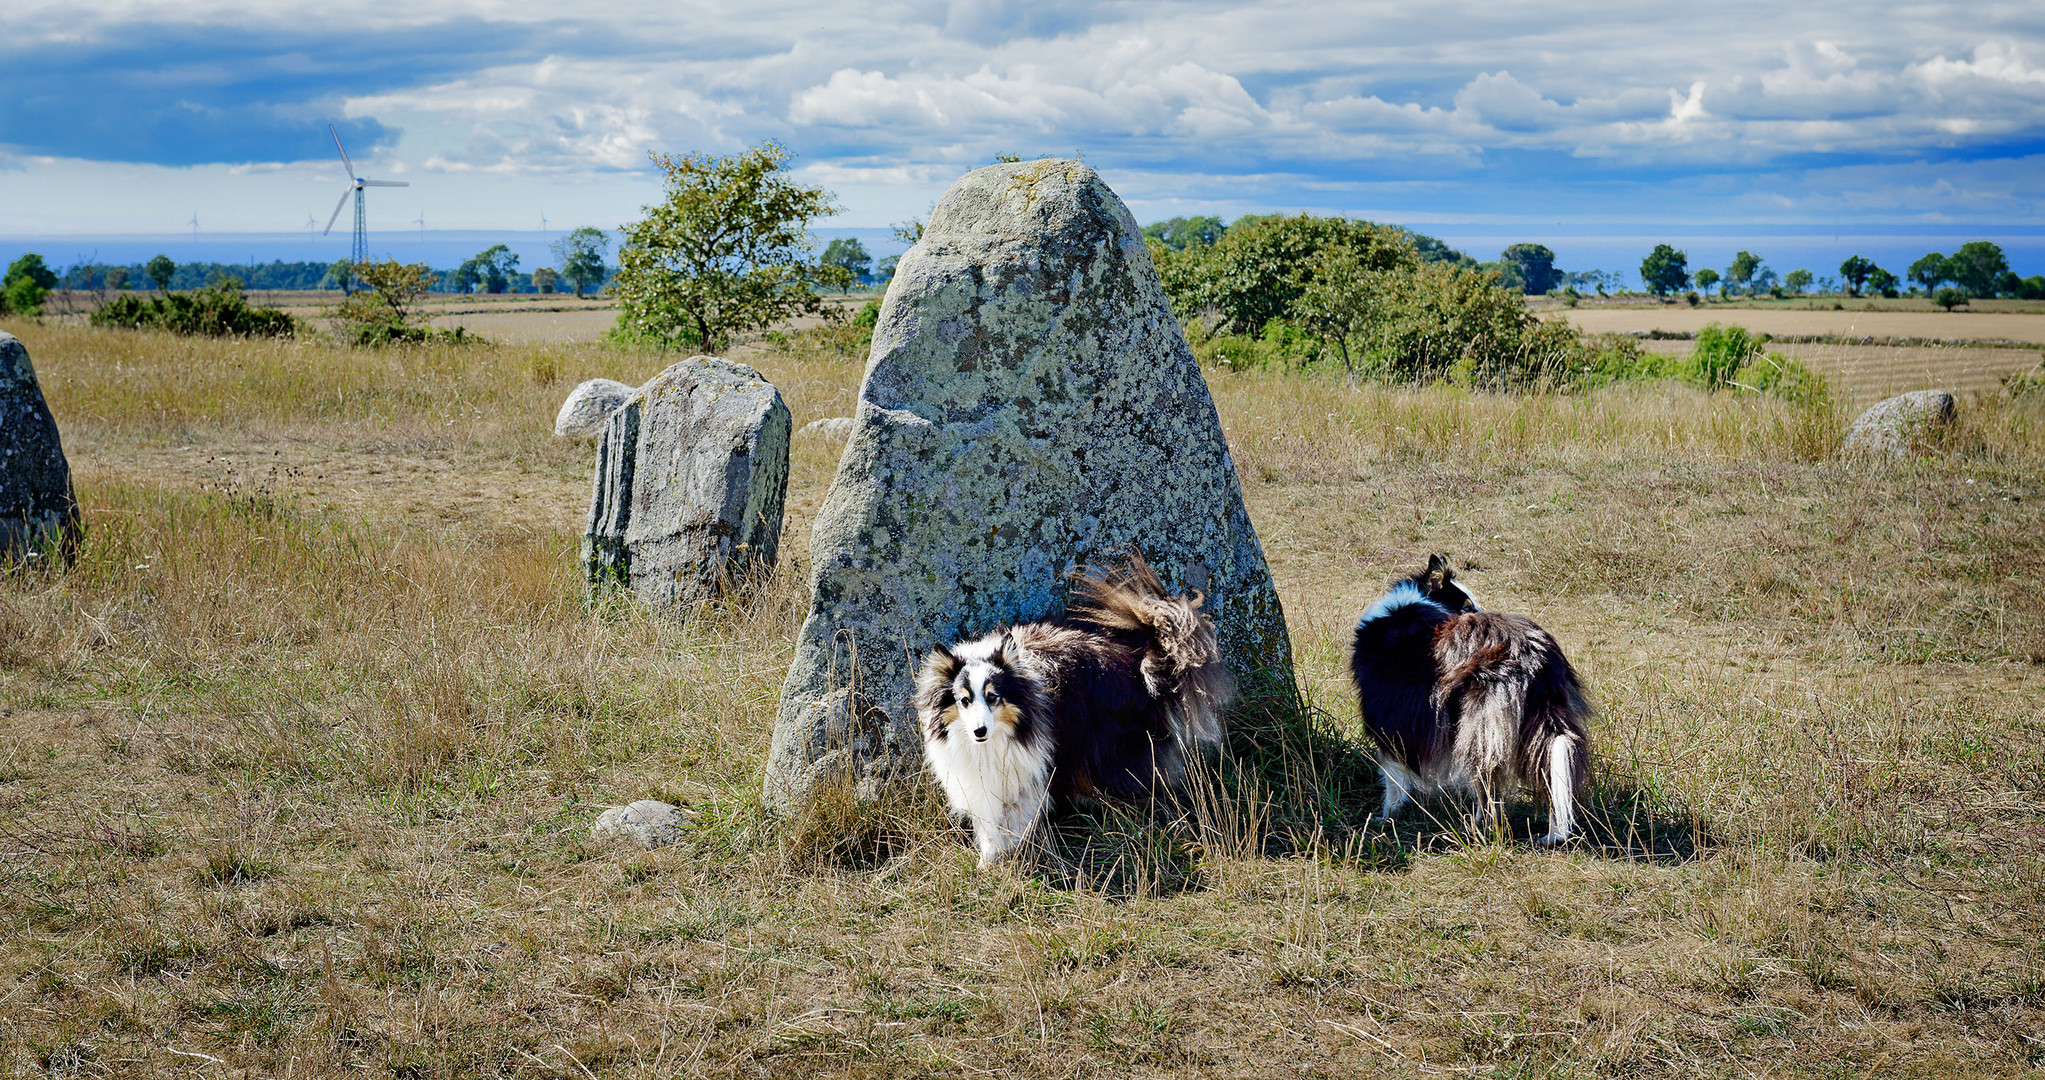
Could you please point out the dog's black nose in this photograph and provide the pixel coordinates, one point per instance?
(980, 733)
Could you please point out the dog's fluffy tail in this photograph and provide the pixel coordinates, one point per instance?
(1182, 663)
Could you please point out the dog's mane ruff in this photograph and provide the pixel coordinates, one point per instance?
(1181, 662)
(1401, 594)
(933, 690)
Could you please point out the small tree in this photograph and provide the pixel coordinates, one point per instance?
(27, 285)
(1535, 266)
(725, 251)
(1881, 282)
(160, 270)
(544, 279)
(343, 273)
(849, 253)
(384, 310)
(1706, 278)
(1745, 272)
(1950, 298)
(1180, 233)
(1855, 272)
(490, 268)
(1797, 281)
(1929, 272)
(1665, 270)
(580, 255)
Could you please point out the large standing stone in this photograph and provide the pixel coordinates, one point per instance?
(38, 512)
(1901, 425)
(691, 472)
(1029, 406)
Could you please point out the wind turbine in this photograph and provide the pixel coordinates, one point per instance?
(195, 226)
(311, 224)
(356, 185)
(422, 226)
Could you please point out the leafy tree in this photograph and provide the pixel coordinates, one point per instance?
(1930, 271)
(580, 255)
(1950, 298)
(1535, 266)
(1797, 281)
(1665, 270)
(2032, 288)
(1745, 273)
(160, 269)
(27, 285)
(725, 251)
(910, 231)
(1882, 282)
(1706, 278)
(117, 278)
(1855, 271)
(2008, 283)
(1259, 270)
(1432, 250)
(343, 273)
(385, 310)
(544, 279)
(1976, 266)
(489, 269)
(1180, 233)
(466, 278)
(884, 270)
(849, 253)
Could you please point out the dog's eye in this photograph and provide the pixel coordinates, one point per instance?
(993, 696)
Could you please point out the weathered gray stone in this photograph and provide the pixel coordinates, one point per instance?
(1902, 425)
(830, 427)
(38, 511)
(588, 406)
(649, 823)
(691, 473)
(1029, 406)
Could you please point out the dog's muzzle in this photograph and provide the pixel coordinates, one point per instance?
(979, 734)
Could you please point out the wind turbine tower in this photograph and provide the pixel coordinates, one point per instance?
(356, 184)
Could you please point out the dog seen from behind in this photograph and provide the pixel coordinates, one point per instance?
(1468, 701)
(1106, 703)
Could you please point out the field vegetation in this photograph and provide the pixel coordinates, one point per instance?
(300, 758)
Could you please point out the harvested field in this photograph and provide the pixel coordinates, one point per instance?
(297, 763)
(1784, 321)
(1868, 373)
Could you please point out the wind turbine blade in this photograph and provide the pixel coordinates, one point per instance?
(349, 165)
(386, 183)
(337, 210)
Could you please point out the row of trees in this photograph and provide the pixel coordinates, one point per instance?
(1978, 269)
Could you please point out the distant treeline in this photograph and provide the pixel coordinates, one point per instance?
(499, 275)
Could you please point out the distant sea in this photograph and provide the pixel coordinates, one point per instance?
(1616, 249)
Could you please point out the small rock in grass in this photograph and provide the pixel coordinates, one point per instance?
(830, 427)
(1901, 425)
(649, 823)
(588, 406)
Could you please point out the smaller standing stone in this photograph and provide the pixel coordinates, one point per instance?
(588, 406)
(38, 511)
(691, 476)
(649, 823)
(1901, 425)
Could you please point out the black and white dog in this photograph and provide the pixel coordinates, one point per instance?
(1469, 701)
(1105, 703)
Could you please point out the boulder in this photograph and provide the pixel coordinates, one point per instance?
(649, 823)
(1902, 425)
(1029, 406)
(691, 472)
(588, 406)
(830, 427)
(38, 511)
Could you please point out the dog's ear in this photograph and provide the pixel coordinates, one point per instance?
(942, 663)
(1011, 653)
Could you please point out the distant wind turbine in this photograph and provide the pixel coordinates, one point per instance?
(312, 225)
(356, 185)
(422, 226)
(195, 226)
(543, 226)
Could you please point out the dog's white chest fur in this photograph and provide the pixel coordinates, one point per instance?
(999, 784)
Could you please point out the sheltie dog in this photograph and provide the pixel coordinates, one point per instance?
(1469, 701)
(1106, 703)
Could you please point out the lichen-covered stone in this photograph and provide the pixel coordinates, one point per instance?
(1029, 406)
(38, 512)
(691, 475)
(588, 406)
(648, 823)
(830, 427)
(1901, 425)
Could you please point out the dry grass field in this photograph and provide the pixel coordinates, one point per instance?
(297, 763)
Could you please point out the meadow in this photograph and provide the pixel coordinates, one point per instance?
(297, 763)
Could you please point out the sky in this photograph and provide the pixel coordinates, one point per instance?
(1507, 119)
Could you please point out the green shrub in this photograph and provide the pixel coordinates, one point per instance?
(1786, 378)
(218, 310)
(1721, 352)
